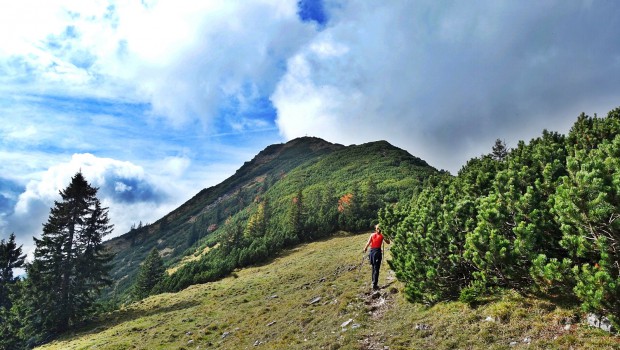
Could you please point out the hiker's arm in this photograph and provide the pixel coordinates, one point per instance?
(368, 243)
(387, 240)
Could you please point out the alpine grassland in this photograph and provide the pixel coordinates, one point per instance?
(317, 296)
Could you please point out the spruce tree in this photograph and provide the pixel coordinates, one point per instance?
(499, 151)
(296, 220)
(150, 275)
(10, 258)
(70, 266)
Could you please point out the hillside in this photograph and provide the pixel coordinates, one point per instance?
(209, 207)
(277, 306)
(320, 171)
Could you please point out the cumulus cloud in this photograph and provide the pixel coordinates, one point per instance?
(444, 80)
(130, 193)
(184, 58)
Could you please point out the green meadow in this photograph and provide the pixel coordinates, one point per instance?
(317, 296)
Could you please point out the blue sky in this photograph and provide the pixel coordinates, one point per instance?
(155, 100)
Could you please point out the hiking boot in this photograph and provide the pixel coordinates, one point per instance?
(375, 287)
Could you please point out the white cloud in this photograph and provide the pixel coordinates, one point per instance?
(121, 187)
(174, 166)
(185, 58)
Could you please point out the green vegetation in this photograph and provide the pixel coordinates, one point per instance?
(271, 306)
(539, 218)
(341, 190)
(150, 276)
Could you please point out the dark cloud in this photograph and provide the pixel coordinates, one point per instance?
(445, 79)
(130, 190)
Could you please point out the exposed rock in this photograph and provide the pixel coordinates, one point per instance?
(271, 323)
(422, 327)
(489, 319)
(315, 300)
(346, 323)
(603, 322)
(355, 325)
(225, 334)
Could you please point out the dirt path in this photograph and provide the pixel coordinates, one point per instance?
(378, 303)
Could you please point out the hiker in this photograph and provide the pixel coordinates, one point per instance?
(376, 255)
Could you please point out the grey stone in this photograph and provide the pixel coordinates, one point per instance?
(315, 300)
(603, 322)
(346, 323)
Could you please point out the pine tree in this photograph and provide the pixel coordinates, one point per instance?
(587, 205)
(10, 258)
(296, 219)
(371, 202)
(193, 235)
(151, 274)
(499, 151)
(257, 223)
(70, 266)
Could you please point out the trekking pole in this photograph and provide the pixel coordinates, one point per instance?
(362, 263)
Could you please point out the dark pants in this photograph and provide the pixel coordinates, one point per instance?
(375, 261)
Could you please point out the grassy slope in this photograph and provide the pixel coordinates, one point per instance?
(271, 304)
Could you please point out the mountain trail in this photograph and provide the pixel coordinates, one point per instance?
(378, 302)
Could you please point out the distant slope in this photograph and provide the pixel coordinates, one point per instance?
(305, 298)
(209, 208)
(277, 174)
